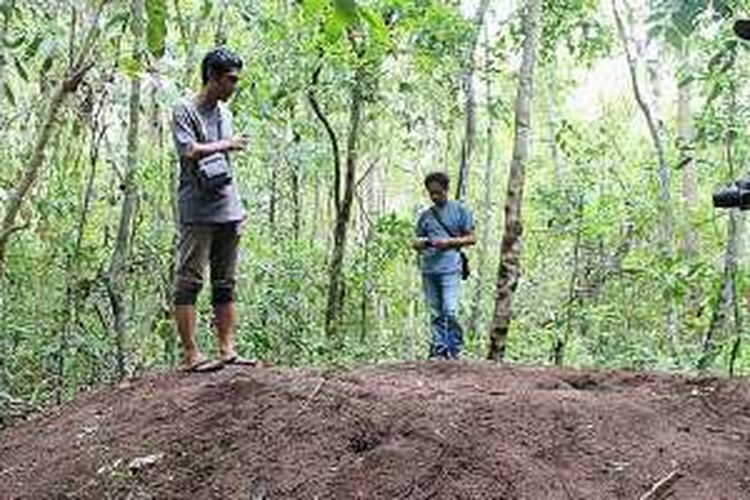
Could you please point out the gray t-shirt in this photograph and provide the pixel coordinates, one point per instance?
(459, 220)
(195, 205)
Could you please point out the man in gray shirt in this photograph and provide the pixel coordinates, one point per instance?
(441, 231)
(209, 219)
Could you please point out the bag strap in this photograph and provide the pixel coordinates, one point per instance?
(439, 219)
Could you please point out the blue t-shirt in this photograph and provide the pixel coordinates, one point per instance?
(459, 220)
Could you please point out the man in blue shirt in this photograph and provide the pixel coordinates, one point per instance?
(441, 231)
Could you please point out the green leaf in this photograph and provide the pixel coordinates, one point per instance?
(14, 44)
(715, 91)
(9, 94)
(21, 70)
(686, 80)
(206, 9)
(47, 64)
(118, 20)
(33, 47)
(130, 67)
(347, 9)
(377, 25)
(156, 27)
(335, 27)
(312, 8)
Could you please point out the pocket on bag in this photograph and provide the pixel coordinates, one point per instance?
(212, 173)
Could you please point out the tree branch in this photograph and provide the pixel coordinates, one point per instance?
(662, 487)
(331, 136)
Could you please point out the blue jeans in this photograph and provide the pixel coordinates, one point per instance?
(442, 293)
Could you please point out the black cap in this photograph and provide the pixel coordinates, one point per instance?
(742, 28)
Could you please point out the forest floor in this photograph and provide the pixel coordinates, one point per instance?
(418, 430)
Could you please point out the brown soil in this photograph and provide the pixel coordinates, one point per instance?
(453, 430)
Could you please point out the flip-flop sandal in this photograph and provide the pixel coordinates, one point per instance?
(239, 361)
(204, 366)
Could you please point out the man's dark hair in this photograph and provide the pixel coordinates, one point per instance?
(439, 177)
(219, 61)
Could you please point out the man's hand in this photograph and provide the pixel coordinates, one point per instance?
(237, 143)
(198, 150)
(420, 244)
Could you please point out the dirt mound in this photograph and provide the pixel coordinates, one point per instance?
(454, 430)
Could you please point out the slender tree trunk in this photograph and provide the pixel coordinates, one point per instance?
(562, 337)
(467, 145)
(365, 299)
(316, 210)
(510, 251)
(657, 137)
(296, 181)
(4, 29)
(335, 295)
(657, 132)
(552, 124)
(116, 285)
(685, 138)
(72, 143)
(735, 352)
(296, 201)
(476, 304)
(273, 199)
(728, 290)
(574, 301)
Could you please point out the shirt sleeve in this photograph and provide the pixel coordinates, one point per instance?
(468, 220)
(182, 130)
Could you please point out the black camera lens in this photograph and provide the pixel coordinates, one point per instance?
(742, 28)
(734, 195)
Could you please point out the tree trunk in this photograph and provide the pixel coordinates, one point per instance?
(3, 29)
(116, 286)
(728, 290)
(273, 198)
(316, 210)
(735, 352)
(510, 250)
(472, 326)
(685, 138)
(552, 124)
(657, 132)
(657, 136)
(467, 146)
(335, 299)
(296, 182)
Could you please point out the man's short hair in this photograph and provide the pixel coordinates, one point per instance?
(219, 61)
(439, 177)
